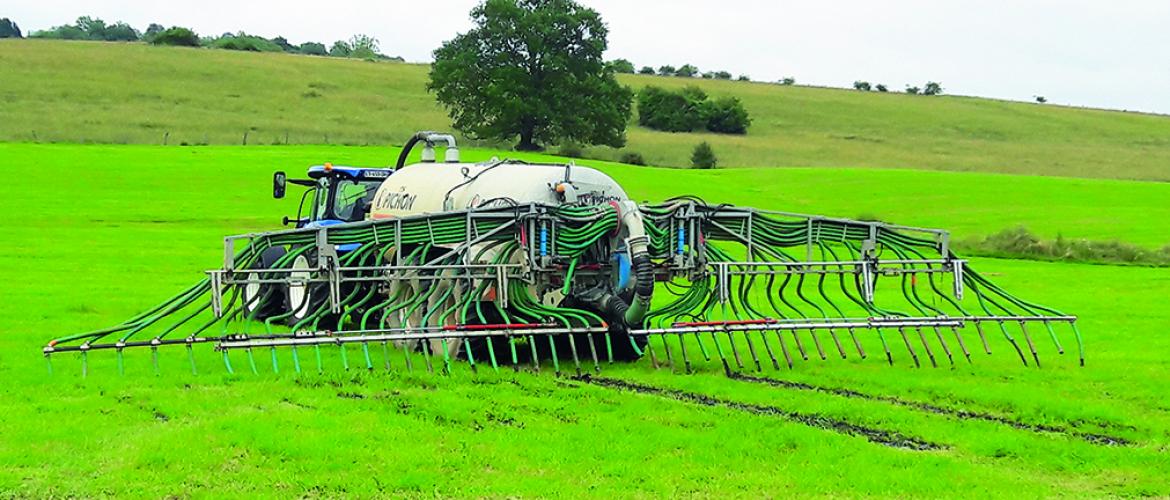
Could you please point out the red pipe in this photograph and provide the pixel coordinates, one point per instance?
(497, 326)
(723, 323)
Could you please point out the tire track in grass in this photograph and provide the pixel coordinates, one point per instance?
(879, 436)
(1100, 439)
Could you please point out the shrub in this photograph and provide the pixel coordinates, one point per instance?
(687, 70)
(88, 28)
(246, 42)
(646, 70)
(661, 109)
(364, 47)
(881, 87)
(690, 109)
(667, 70)
(62, 33)
(912, 90)
(1041, 99)
(632, 158)
(744, 78)
(282, 42)
(1019, 242)
(932, 88)
(621, 66)
(722, 75)
(340, 49)
(152, 31)
(861, 85)
(788, 80)
(313, 49)
(120, 32)
(176, 36)
(703, 156)
(571, 150)
(727, 116)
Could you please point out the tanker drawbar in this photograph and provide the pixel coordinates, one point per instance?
(505, 263)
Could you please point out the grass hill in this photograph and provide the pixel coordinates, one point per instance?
(55, 91)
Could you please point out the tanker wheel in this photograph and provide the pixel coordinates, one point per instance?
(305, 298)
(264, 300)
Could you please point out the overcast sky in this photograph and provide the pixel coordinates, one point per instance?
(1111, 54)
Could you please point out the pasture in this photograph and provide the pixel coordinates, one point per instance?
(103, 231)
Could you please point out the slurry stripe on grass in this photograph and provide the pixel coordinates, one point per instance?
(879, 436)
(1102, 439)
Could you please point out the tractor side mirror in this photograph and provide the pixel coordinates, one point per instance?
(278, 182)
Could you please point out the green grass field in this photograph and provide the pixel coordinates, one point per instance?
(99, 232)
(73, 92)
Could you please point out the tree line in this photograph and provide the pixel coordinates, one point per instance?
(94, 29)
(686, 71)
(930, 88)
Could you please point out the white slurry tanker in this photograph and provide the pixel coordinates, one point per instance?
(516, 263)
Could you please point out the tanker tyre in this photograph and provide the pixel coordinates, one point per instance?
(305, 298)
(263, 301)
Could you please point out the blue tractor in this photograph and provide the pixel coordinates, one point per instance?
(335, 195)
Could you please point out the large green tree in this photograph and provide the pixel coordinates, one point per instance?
(532, 69)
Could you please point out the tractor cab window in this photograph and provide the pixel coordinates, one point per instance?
(321, 199)
(307, 209)
(352, 199)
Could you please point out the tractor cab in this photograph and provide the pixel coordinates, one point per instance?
(335, 194)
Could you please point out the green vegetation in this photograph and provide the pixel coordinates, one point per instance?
(176, 36)
(107, 230)
(548, 81)
(202, 96)
(690, 109)
(703, 157)
(94, 29)
(244, 41)
(1019, 242)
(88, 28)
(621, 66)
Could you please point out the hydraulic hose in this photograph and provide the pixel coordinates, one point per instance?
(407, 147)
(611, 305)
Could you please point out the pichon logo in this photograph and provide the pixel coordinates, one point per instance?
(395, 201)
(596, 198)
(375, 174)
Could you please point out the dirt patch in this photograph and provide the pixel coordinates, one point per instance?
(879, 436)
(960, 414)
(351, 395)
